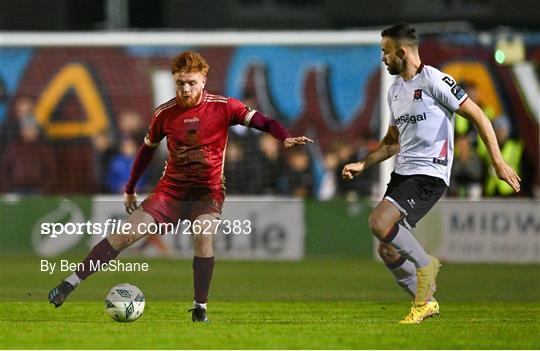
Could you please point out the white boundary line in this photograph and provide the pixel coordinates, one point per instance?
(303, 38)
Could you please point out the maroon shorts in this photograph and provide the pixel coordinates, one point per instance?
(169, 205)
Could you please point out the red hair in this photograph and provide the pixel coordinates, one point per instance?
(189, 61)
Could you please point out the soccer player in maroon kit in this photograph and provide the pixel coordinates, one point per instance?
(196, 124)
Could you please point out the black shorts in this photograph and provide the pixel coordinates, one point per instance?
(414, 195)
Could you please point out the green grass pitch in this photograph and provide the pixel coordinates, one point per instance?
(320, 303)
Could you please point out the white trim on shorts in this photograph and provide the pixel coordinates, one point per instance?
(394, 202)
(402, 210)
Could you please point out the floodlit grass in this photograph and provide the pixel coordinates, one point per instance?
(315, 304)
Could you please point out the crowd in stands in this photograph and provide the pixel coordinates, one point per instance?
(256, 163)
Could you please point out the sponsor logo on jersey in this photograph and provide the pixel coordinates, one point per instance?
(440, 161)
(417, 95)
(192, 120)
(458, 92)
(406, 118)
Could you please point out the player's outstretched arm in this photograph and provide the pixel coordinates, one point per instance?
(471, 111)
(277, 130)
(142, 160)
(388, 147)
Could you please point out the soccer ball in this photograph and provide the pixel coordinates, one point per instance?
(124, 303)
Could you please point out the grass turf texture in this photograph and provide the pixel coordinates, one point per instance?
(315, 304)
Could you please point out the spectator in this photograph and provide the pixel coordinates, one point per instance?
(328, 187)
(268, 165)
(359, 186)
(298, 177)
(104, 151)
(28, 164)
(120, 167)
(236, 169)
(11, 130)
(466, 171)
(130, 126)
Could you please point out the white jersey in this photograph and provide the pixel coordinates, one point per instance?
(423, 109)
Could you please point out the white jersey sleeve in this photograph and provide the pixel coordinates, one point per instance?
(448, 92)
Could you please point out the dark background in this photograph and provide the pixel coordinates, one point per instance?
(62, 15)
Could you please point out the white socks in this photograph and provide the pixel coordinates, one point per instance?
(405, 275)
(196, 305)
(73, 279)
(407, 246)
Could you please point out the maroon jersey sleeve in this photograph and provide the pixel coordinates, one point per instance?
(155, 132)
(238, 112)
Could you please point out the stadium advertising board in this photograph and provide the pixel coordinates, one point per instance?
(483, 231)
(266, 228)
(327, 231)
(23, 217)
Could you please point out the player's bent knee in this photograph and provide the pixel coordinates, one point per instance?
(377, 226)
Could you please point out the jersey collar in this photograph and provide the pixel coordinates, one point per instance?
(418, 71)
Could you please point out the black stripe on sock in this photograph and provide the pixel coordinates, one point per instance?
(391, 234)
(397, 263)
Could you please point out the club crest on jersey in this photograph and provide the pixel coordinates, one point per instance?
(417, 95)
(192, 125)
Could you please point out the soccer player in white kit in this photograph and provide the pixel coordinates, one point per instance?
(423, 102)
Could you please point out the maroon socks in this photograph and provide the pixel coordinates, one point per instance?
(103, 252)
(202, 275)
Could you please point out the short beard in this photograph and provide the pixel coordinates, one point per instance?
(192, 102)
(395, 69)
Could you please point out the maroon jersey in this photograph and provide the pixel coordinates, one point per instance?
(196, 139)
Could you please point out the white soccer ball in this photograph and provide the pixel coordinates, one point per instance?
(124, 303)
